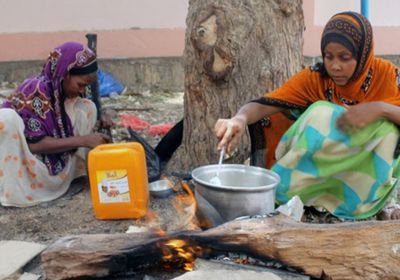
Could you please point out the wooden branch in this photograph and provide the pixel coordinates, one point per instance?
(358, 250)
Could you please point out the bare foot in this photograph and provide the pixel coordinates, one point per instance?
(390, 213)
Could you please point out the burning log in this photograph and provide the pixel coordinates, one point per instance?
(359, 250)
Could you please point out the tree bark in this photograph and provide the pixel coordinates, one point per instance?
(235, 51)
(358, 250)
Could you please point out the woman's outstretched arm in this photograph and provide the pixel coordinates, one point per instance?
(229, 131)
(50, 145)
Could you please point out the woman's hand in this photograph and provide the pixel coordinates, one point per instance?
(105, 122)
(360, 115)
(95, 139)
(228, 131)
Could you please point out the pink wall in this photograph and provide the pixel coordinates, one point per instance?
(75, 15)
(111, 44)
(125, 28)
(148, 32)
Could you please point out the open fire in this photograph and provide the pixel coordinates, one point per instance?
(179, 254)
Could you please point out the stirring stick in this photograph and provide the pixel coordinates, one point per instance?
(221, 158)
(215, 180)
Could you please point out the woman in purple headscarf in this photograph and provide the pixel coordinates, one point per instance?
(46, 128)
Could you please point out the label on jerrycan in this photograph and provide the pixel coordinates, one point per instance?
(113, 186)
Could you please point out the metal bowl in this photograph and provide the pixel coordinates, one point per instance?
(160, 188)
(240, 191)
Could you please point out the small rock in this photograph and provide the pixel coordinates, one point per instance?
(29, 276)
(135, 229)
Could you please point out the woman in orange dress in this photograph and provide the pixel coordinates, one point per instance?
(340, 154)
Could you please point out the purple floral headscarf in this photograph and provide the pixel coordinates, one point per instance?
(40, 101)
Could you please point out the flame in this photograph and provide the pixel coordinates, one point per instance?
(175, 243)
(185, 206)
(179, 254)
(184, 218)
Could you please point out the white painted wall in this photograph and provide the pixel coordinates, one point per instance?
(78, 15)
(381, 12)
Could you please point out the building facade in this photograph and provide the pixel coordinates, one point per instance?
(151, 28)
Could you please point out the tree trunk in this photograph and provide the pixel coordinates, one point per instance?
(358, 250)
(235, 51)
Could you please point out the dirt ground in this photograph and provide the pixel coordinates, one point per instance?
(73, 212)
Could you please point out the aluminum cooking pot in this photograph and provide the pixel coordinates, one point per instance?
(240, 190)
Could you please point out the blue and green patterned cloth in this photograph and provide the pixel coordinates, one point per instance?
(349, 174)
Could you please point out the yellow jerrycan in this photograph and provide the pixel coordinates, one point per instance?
(118, 181)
